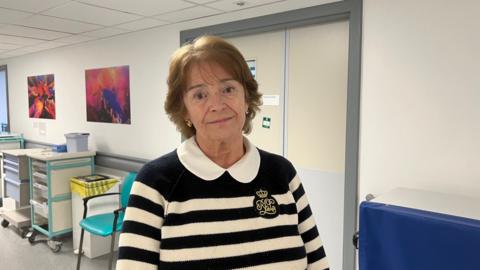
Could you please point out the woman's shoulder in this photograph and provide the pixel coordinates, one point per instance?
(275, 162)
(163, 169)
(169, 160)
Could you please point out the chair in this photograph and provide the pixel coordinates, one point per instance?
(105, 224)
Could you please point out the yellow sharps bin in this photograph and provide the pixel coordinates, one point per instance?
(86, 186)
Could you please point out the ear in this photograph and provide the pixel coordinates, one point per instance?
(186, 116)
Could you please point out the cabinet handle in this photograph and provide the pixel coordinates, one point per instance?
(10, 162)
(12, 169)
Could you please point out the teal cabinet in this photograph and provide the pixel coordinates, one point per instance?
(50, 195)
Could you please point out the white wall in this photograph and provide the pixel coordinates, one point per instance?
(147, 91)
(420, 113)
(147, 53)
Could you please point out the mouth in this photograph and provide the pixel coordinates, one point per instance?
(219, 121)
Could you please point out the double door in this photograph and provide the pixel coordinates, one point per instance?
(302, 73)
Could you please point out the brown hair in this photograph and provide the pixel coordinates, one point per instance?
(208, 49)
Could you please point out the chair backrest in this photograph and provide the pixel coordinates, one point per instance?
(126, 187)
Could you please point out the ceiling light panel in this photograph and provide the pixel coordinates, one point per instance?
(31, 5)
(91, 14)
(57, 24)
(141, 7)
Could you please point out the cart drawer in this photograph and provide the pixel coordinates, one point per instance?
(40, 178)
(15, 174)
(40, 208)
(10, 162)
(10, 158)
(11, 173)
(40, 191)
(17, 190)
(20, 164)
(39, 166)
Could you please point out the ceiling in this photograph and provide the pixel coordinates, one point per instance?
(28, 26)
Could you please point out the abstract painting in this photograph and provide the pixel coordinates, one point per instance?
(108, 95)
(41, 96)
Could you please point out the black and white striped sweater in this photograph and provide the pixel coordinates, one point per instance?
(186, 212)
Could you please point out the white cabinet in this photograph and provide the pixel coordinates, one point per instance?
(16, 187)
(8, 141)
(16, 178)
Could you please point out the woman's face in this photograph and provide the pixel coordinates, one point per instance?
(215, 103)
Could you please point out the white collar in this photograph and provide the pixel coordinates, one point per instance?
(244, 170)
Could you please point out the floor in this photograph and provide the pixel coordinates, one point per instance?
(17, 253)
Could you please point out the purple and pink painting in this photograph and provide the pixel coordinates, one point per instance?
(108, 95)
(41, 96)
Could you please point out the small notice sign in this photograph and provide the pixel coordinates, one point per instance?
(271, 100)
(266, 122)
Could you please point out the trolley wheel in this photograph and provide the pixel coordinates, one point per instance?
(54, 246)
(24, 233)
(57, 248)
(5, 223)
(31, 238)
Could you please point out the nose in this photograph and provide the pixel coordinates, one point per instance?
(217, 101)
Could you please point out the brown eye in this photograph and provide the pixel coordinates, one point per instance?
(199, 95)
(228, 90)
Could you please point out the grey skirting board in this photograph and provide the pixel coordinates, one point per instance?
(109, 160)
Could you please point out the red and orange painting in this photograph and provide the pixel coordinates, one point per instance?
(41, 96)
(108, 95)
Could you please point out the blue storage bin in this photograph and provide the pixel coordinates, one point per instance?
(59, 148)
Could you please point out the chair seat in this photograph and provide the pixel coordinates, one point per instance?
(101, 224)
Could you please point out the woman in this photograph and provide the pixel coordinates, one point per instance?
(217, 202)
